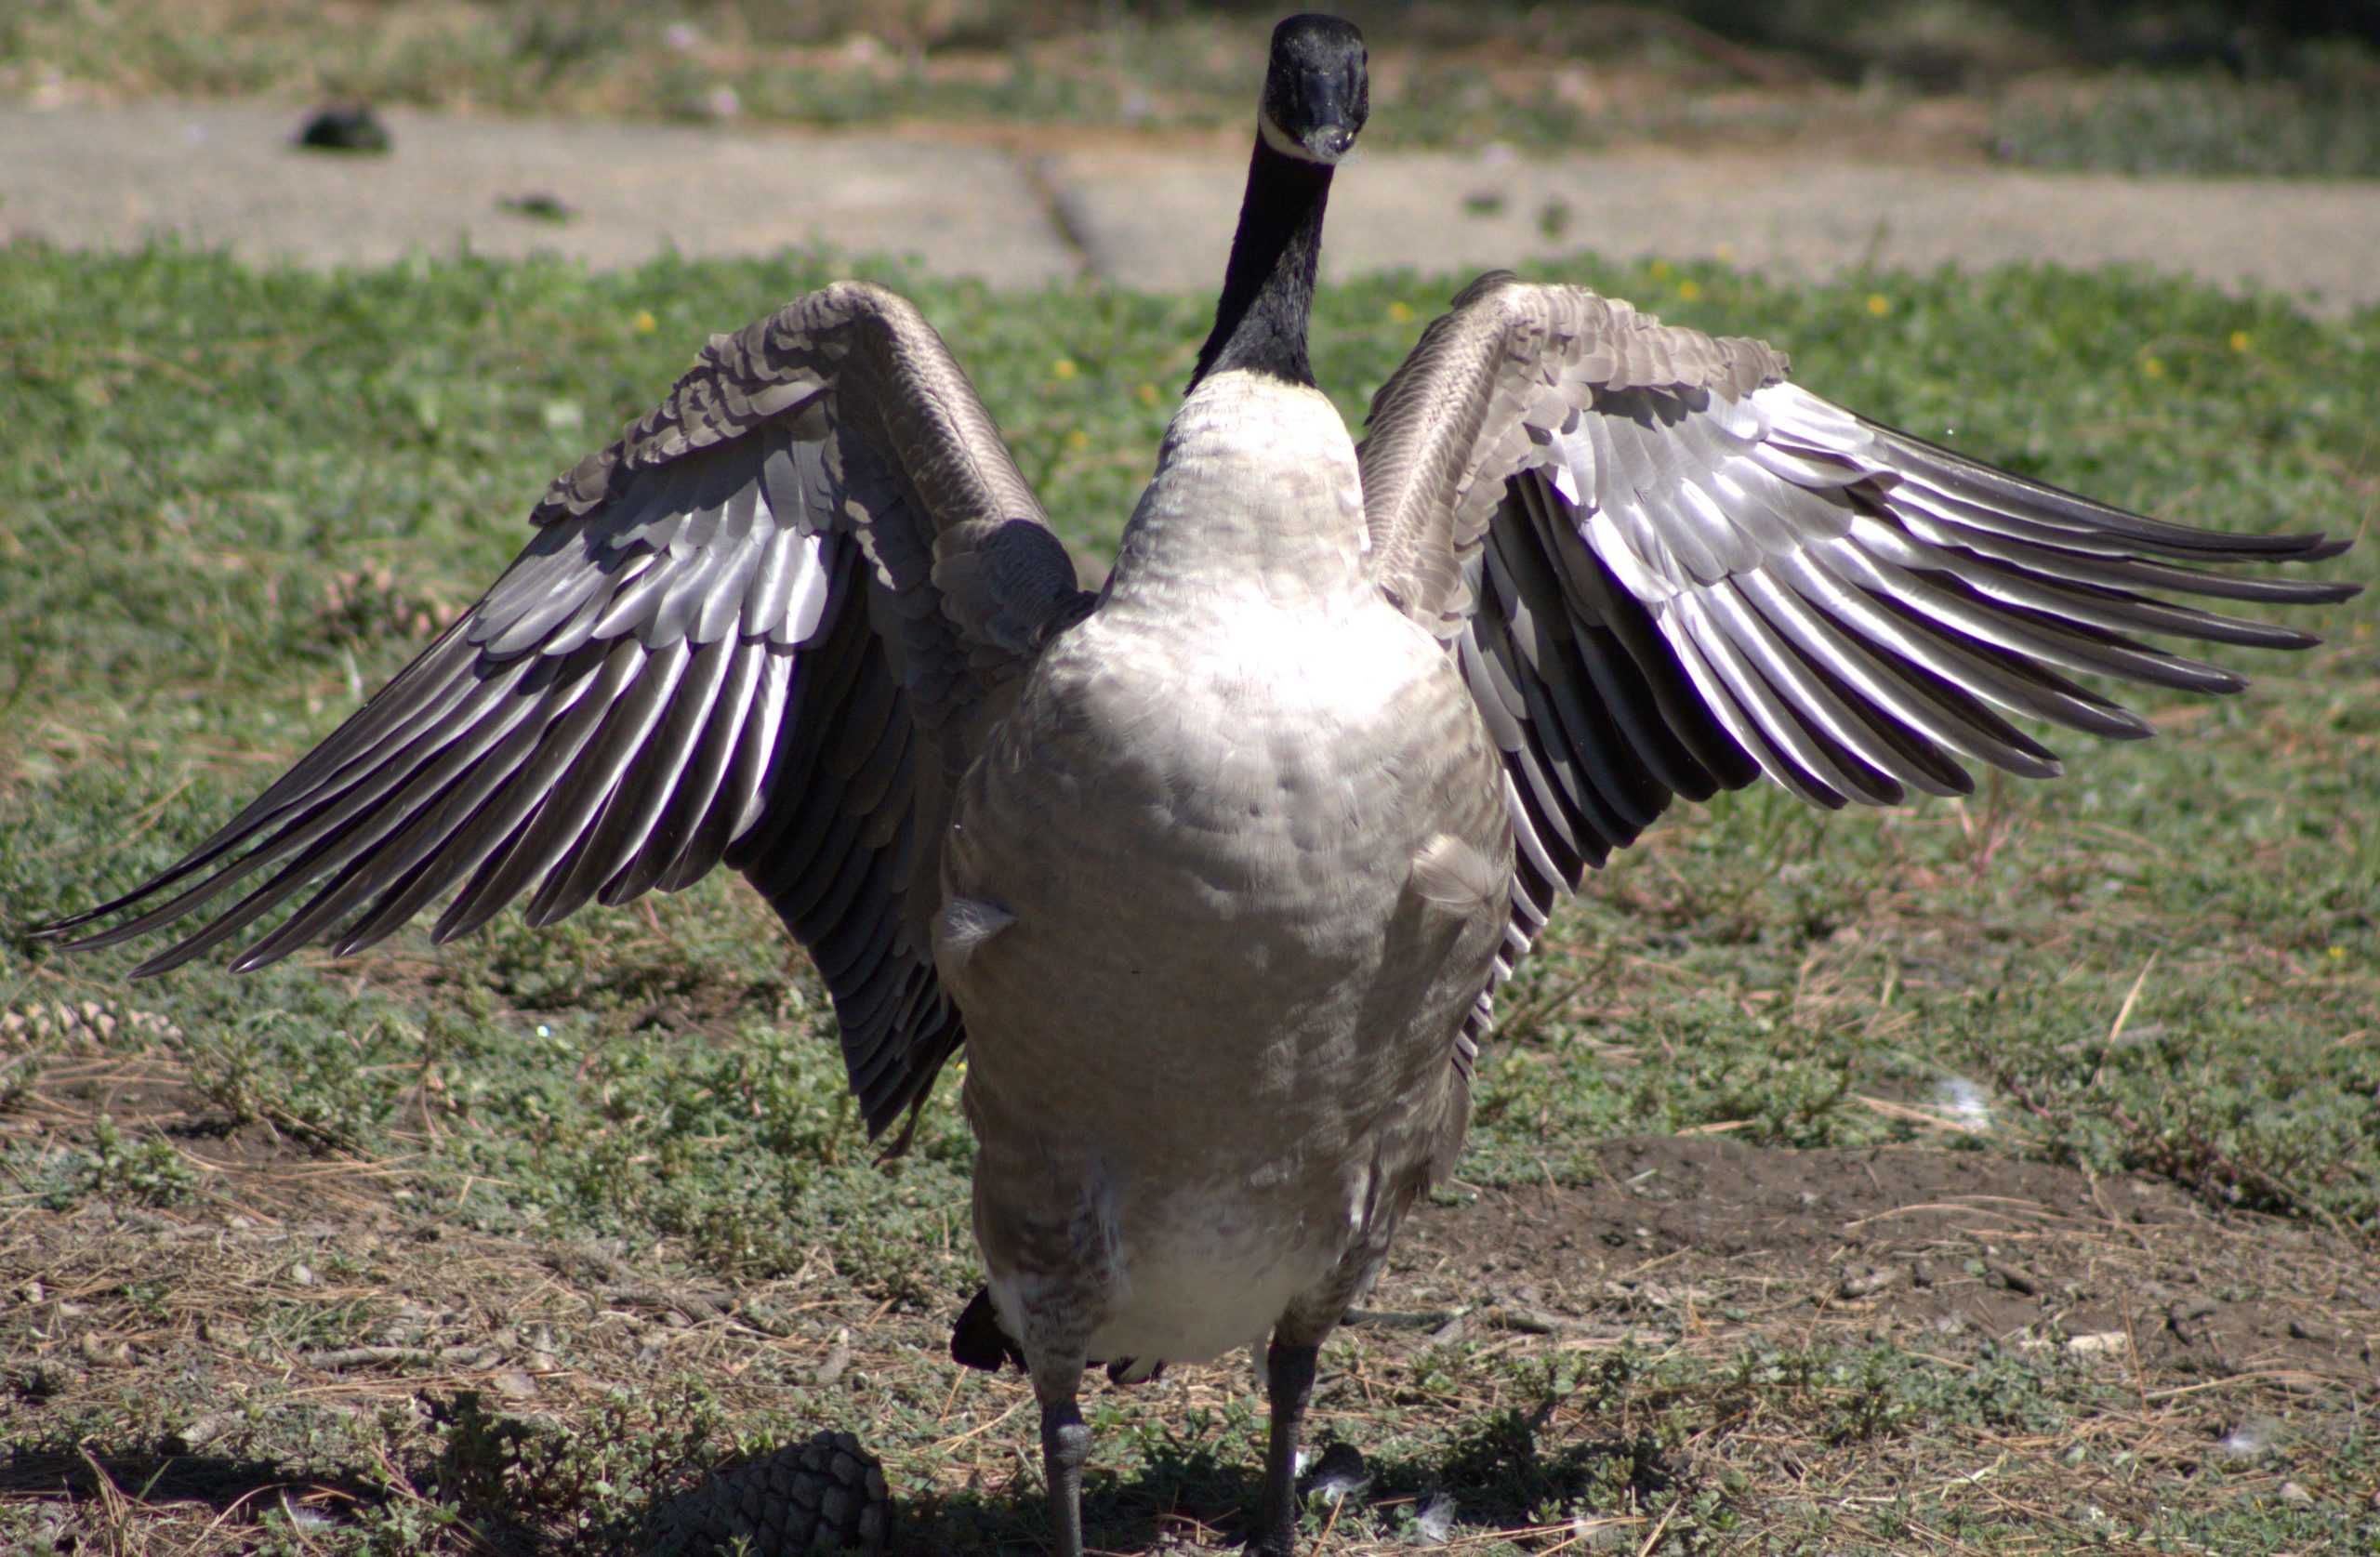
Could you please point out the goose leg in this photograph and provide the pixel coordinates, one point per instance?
(1289, 1380)
(1065, 1446)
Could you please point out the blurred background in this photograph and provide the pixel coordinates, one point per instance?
(2286, 87)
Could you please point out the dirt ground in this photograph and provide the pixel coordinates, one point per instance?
(201, 1324)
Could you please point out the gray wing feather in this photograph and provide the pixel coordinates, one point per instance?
(1666, 570)
(738, 633)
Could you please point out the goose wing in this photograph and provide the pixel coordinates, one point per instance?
(1667, 570)
(762, 627)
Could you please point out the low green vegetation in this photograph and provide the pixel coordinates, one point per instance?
(232, 501)
(2323, 122)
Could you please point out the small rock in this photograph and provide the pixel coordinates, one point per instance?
(2290, 1492)
(2097, 1342)
(104, 1353)
(512, 1384)
(199, 1431)
(1867, 1283)
(837, 1358)
(302, 1273)
(537, 206)
(351, 127)
(216, 1330)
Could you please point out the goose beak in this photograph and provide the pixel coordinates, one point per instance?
(1329, 142)
(1332, 107)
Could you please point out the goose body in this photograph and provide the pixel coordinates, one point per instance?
(1247, 738)
(1215, 871)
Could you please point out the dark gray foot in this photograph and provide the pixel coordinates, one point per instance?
(1065, 1444)
(1289, 1379)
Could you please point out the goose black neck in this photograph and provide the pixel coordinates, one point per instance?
(1268, 287)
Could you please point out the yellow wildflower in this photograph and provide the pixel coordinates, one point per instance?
(1400, 310)
(1878, 305)
(645, 322)
(2152, 367)
(2241, 340)
(1064, 368)
(1688, 289)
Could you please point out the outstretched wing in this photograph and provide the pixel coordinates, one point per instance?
(758, 628)
(1666, 570)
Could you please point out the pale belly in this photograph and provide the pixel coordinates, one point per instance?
(1214, 1035)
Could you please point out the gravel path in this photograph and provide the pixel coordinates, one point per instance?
(226, 174)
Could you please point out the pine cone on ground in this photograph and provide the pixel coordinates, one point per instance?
(825, 1495)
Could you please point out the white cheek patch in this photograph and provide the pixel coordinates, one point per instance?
(1283, 142)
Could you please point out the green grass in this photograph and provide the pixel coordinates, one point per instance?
(2321, 125)
(230, 500)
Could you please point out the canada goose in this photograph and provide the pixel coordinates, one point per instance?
(1215, 871)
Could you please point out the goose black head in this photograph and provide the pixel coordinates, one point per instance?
(1316, 91)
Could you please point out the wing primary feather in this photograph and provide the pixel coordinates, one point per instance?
(1628, 664)
(345, 816)
(651, 772)
(1923, 643)
(1537, 617)
(421, 681)
(473, 822)
(1798, 703)
(2068, 647)
(1826, 645)
(1960, 476)
(505, 872)
(1758, 700)
(1745, 729)
(583, 797)
(698, 787)
(744, 781)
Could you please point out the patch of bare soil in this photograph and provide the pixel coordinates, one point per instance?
(1900, 1241)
